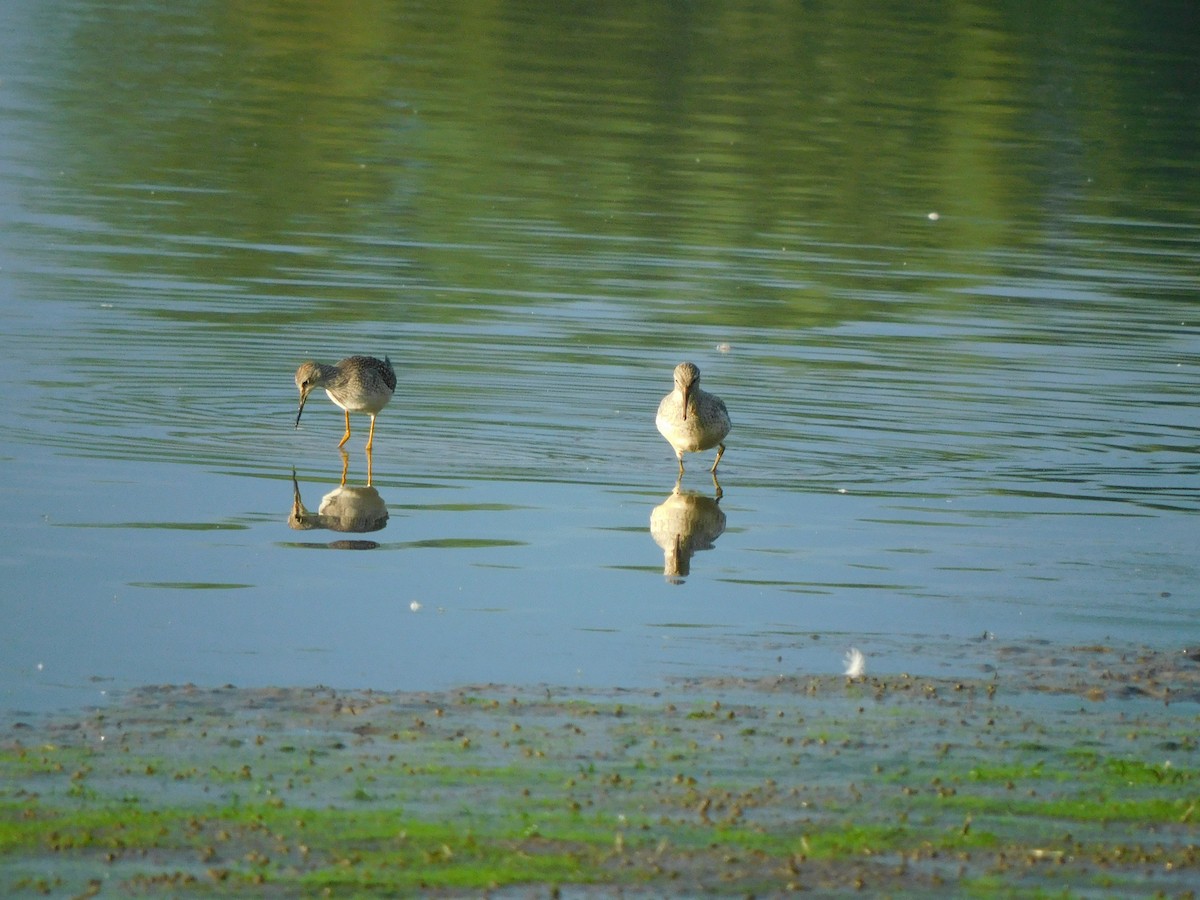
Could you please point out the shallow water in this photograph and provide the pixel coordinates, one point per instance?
(952, 310)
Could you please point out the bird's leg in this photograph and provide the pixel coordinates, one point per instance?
(346, 436)
(345, 466)
(370, 460)
(720, 452)
(371, 436)
(679, 456)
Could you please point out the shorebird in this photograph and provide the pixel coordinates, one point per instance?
(691, 419)
(356, 384)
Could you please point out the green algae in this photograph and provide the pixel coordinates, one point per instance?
(916, 786)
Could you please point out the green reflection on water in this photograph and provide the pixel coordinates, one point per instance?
(192, 585)
(461, 543)
(774, 164)
(168, 526)
(531, 207)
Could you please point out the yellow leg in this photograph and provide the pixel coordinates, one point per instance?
(371, 436)
(679, 456)
(720, 452)
(346, 436)
(370, 460)
(345, 466)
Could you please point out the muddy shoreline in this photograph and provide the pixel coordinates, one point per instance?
(1055, 770)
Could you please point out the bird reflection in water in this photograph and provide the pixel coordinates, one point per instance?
(345, 509)
(684, 523)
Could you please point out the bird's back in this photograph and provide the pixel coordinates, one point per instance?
(366, 384)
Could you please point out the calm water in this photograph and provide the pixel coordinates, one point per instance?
(944, 268)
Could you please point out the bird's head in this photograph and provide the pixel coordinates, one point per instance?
(687, 377)
(308, 376)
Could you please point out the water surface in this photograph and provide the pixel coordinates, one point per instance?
(942, 267)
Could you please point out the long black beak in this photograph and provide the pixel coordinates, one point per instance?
(687, 395)
(303, 397)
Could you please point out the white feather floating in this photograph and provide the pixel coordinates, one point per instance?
(856, 663)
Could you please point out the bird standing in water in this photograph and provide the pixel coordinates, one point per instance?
(691, 419)
(356, 384)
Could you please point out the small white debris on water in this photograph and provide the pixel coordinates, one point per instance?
(933, 216)
(856, 663)
(724, 347)
(415, 606)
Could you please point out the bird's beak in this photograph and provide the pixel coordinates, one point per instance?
(303, 397)
(687, 395)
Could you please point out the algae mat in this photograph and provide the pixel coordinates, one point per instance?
(1054, 772)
